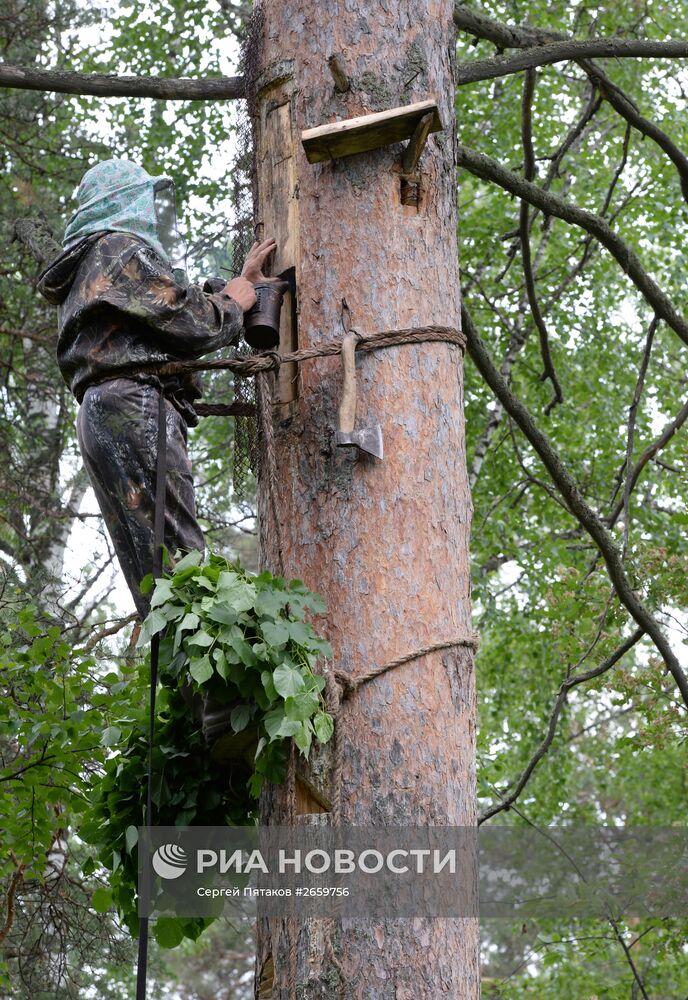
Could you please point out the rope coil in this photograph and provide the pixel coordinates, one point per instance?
(269, 457)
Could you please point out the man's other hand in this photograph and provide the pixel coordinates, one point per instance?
(255, 261)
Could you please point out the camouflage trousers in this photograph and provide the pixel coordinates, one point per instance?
(117, 429)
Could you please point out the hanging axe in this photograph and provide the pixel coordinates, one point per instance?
(369, 438)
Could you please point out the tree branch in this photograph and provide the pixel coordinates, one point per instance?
(519, 337)
(488, 169)
(570, 682)
(629, 958)
(610, 916)
(630, 437)
(504, 36)
(10, 899)
(112, 630)
(625, 107)
(25, 335)
(35, 235)
(574, 135)
(524, 37)
(524, 225)
(574, 501)
(660, 442)
(484, 441)
(219, 88)
(569, 49)
(232, 87)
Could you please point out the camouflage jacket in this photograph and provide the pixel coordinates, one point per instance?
(120, 306)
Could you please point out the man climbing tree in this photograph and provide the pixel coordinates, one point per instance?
(123, 305)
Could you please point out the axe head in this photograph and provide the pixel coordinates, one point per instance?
(367, 439)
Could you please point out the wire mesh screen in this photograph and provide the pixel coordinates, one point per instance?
(228, 242)
(242, 186)
(243, 200)
(224, 246)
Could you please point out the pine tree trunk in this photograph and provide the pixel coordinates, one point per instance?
(385, 543)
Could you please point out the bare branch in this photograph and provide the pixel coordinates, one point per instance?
(623, 105)
(519, 338)
(569, 49)
(484, 441)
(524, 37)
(629, 958)
(633, 412)
(10, 898)
(574, 135)
(529, 173)
(507, 801)
(574, 501)
(610, 916)
(35, 235)
(219, 88)
(342, 83)
(224, 88)
(652, 449)
(25, 335)
(504, 36)
(619, 170)
(488, 169)
(111, 630)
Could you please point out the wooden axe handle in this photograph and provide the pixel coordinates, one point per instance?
(347, 406)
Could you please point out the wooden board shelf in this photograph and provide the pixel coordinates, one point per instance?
(366, 132)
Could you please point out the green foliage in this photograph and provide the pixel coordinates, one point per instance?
(542, 601)
(240, 639)
(236, 639)
(59, 695)
(188, 788)
(220, 963)
(544, 604)
(58, 708)
(54, 714)
(178, 40)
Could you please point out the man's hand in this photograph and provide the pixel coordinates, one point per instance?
(241, 288)
(253, 265)
(242, 292)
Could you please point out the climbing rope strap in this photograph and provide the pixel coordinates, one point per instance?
(338, 687)
(158, 541)
(268, 463)
(350, 684)
(268, 361)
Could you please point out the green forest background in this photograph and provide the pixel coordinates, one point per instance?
(544, 605)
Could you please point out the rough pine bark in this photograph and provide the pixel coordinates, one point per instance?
(385, 543)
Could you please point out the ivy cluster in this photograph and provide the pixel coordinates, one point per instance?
(239, 640)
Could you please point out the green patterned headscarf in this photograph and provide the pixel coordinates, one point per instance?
(117, 195)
